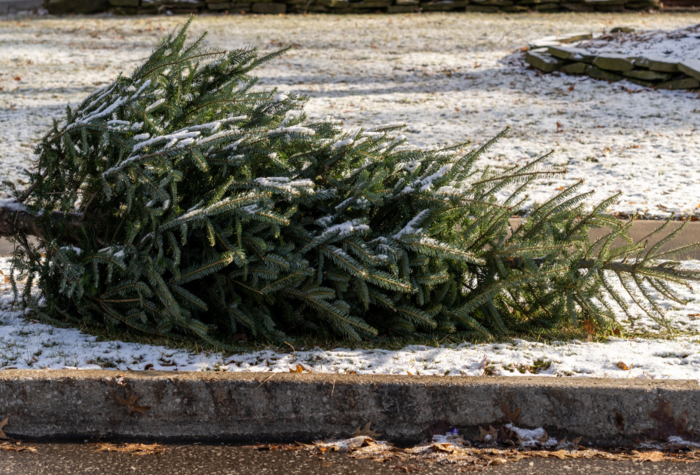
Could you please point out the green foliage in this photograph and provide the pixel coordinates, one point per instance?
(208, 209)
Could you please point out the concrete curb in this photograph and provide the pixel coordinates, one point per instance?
(286, 406)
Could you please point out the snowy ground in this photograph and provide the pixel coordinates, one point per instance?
(450, 77)
(26, 344)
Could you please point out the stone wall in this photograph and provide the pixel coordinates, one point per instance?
(150, 7)
(647, 71)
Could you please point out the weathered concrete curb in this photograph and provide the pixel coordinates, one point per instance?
(285, 406)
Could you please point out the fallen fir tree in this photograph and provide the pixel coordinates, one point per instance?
(178, 201)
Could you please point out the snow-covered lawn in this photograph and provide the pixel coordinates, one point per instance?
(26, 343)
(450, 77)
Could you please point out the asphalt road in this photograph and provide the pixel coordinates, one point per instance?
(76, 459)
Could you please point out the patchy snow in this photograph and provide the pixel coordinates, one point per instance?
(26, 343)
(448, 76)
(451, 77)
(533, 437)
(672, 46)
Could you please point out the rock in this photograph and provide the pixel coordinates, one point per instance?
(59, 7)
(482, 9)
(543, 61)
(574, 68)
(683, 83)
(622, 29)
(691, 67)
(609, 8)
(576, 36)
(613, 62)
(514, 9)
(545, 42)
(598, 73)
(656, 64)
(124, 3)
(372, 4)
(335, 3)
(641, 82)
(301, 8)
(407, 2)
(572, 54)
(127, 11)
(545, 7)
(231, 6)
(273, 8)
(577, 7)
(444, 6)
(402, 9)
(646, 75)
(536, 2)
(496, 3)
(606, 3)
(641, 5)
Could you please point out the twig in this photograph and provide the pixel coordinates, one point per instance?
(29, 190)
(266, 380)
(82, 218)
(333, 389)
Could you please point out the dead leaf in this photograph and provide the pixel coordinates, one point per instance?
(366, 431)
(129, 401)
(298, 369)
(448, 448)
(3, 423)
(622, 366)
(668, 425)
(133, 449)
(512, 417)
(589, 326)
(488, 436)
(147, 367)
(653, 456)
(16, 447)
(130, 404)
(140, 409)
(560, 454)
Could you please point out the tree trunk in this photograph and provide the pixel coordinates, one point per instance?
(16, 220)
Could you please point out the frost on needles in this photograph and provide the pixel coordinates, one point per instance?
(182, 202)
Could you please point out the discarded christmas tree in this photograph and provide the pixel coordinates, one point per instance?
(178, 201)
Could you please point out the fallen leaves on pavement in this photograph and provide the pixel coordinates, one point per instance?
(16, 447)
(366, 431)
(506, 442)
(133, 449)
